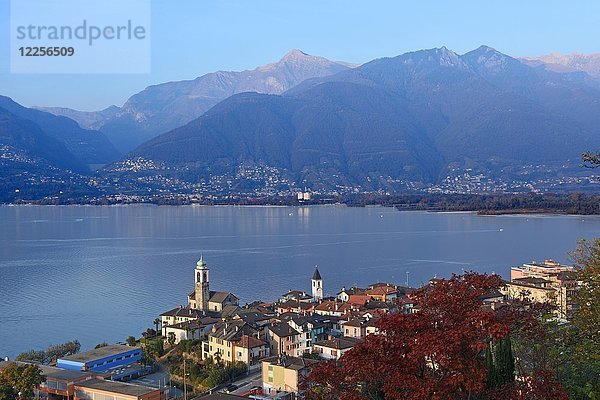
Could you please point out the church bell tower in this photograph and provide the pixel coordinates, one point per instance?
(317, 285)
(202, 289)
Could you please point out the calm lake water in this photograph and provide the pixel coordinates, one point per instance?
(102, 273)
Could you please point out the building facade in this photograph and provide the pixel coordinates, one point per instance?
(283, 374)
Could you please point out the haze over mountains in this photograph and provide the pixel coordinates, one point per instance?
(410, 118)
(393, 124)
(85, 146)
(163, 107)
(588, 63)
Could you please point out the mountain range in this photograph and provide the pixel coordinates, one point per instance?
(410, 118)
(391, 124)
(160, 108)
(86, 146)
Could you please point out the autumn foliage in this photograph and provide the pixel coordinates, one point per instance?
(435, 353)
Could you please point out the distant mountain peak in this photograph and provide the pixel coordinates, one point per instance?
(490, 59)
(441, 56)
(485, 49)
(295, 54)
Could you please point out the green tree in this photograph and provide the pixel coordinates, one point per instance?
(54, 352)
(491, 368)
(587, 316)
(171, 338)
(33, 355)
(154, 348)
(22, 379)
(579, 358)
(99, 345)
(6, 390)
(131, 340)
(505, 362)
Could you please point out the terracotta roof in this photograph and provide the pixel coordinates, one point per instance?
(250, 342)
(381, 290)
(333, 306)
(338, 343)
(359, 299)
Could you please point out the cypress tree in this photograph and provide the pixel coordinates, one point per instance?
(505, 363)
(491, 368)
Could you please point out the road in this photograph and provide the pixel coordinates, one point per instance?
(158, 379)
(245, 383)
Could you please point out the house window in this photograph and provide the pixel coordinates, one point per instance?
(271, 379)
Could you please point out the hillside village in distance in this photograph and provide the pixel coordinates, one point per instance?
(262, 350)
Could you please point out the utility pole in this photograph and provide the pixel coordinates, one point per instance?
(184, 386)
(407, 272)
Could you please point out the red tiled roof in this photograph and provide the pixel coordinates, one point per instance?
(381, 290)
(358, 299)
(250, 342)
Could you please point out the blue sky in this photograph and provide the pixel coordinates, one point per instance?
(193, 37)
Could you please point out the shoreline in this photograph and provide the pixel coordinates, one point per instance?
(478, 212)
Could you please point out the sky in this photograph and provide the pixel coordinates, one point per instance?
(192, 37)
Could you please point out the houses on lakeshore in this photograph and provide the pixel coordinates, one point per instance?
(300, 326)
(286, 337)
(282, 340)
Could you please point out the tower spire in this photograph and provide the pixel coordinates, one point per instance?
(317, 285)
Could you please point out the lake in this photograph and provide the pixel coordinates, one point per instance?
(98, 274)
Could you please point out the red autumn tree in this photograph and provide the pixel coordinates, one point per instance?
(436, 353)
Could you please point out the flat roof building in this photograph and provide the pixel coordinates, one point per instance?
(98, 389)
(117, 360)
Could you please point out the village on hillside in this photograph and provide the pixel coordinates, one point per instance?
(215, 348)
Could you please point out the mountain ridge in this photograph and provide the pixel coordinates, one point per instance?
(88, 146)
(409, 118)
(162, 107)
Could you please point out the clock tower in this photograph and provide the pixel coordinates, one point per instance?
(202, 289)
